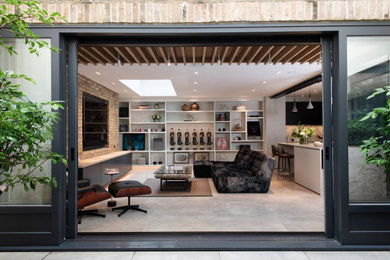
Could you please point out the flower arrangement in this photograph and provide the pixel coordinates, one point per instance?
(156, 118)
(303, 133)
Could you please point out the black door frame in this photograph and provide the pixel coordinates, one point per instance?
(337, 31)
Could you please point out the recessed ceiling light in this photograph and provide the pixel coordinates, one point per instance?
(264, 82)
(150, 88)
(253, 90)
(98, 73)
(279, 72)
(195, 90)
(125, 90)
(113, 83)
(196, 82)
(196, 73)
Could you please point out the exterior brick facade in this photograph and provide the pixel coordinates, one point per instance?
(88, 86)
(217, 11)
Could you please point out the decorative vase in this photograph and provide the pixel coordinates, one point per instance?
(156, 106)
(195, 107)
(303, 140)
(185, 107)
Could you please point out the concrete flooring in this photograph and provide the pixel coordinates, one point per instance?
(286, 207)
(285, 255)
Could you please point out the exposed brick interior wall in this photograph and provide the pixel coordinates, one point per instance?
(91, 87)
(217, 11)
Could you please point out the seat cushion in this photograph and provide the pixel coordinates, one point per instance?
(128, 189)
(91, 197)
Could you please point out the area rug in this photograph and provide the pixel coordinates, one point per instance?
(199, 188)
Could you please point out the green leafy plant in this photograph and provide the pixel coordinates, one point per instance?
(25, 126)
(303, 133)
(377, 149)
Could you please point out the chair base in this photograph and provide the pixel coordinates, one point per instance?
(128, 207)
(92, 212)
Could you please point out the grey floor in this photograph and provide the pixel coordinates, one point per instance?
(288, 255)
(286, 207)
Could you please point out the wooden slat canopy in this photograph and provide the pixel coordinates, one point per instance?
(200, 55)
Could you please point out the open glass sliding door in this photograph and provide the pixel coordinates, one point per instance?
(362, 190)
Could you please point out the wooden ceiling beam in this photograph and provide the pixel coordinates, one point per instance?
(183, 53)
(173, 54)
(132, 54)
(310, 54)
(123, 55)
(203, 55)
(151, 52)
(82, 60)
(302, 54)
(243, 55)
(92, 54)
(225, 51)
(252, 57)
(139, 50)
(163, 55)
(112, 55)
(264, 54)
(314, 58)
(86, 56)
(296, 52)
(238, 48)
(276, 51)
(193, 56)
(283, 54)
(215, 51)
(101, 55)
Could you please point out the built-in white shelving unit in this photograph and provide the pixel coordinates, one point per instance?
(228, 125)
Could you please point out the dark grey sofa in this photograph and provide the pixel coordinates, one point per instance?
(251, 171)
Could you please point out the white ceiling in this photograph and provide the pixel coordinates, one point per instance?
(214, 81)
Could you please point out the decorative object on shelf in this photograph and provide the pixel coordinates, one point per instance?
(254, 131)
(181, 158)
(172, 139)
(201, 157)
(187, 139)
(194, 141)
(141, 161)
(143, 107)
(303, 133)
(188, 117)
(156, 118)
(226, 107)
(185, 107)
(222, 117)
(222, 143)
(201, 139)
(123, 112)
(158, 144)
(241, 108)
(154, 162)
(159, 162)
(209, 142)
(123, 128)
(179, 141)
(237, 138)
(237, 124)
(134, 142)
(156, 106)
(194, 107)
(219, 130)
(224, 129)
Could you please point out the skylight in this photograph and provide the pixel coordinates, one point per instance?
(150, 88)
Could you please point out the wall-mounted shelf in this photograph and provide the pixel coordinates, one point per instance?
(190, 122)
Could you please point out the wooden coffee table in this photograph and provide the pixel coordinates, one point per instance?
(183, 175)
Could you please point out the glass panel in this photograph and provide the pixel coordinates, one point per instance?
(39, 69)
(368, 69)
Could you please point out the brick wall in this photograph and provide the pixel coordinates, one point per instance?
(88, 86)
(217, 11)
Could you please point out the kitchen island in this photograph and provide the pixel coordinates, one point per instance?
(308, 167)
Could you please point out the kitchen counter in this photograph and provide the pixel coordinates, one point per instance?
(101, 158)
(309, 145)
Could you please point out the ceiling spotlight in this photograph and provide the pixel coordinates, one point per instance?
(196, 82)
(195, 90)
(264, 82)
(98, 73)
(125, 90)
(295, 109)
(310, 105)
(279, 72)
(196, 73)
(169, 60)
(113, 83)
(253, 90)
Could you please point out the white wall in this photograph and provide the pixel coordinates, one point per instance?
(275, 122)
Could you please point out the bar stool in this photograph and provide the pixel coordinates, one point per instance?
(286, 157)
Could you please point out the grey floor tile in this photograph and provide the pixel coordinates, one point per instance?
(263, 255)
(176, 256)
(22, 255)
(90, 255)
(348, 255)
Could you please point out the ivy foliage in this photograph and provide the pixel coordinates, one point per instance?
(377, 149)
(26, 127)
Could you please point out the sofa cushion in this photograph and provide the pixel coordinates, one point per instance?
(244, 158)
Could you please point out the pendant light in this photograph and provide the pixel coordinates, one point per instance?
(310, 105)
(119, 61)
(295, 109)
(169, 59)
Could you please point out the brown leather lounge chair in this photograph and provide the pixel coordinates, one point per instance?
(88, 195)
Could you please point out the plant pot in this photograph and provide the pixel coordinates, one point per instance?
(303, 140)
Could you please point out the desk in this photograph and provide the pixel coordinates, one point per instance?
(93, 168)
(308, 170)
